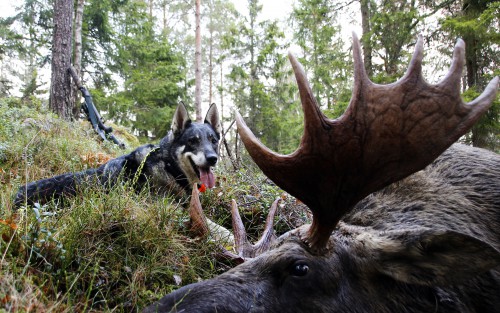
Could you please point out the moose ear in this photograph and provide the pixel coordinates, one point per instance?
(430, 257)
(212, 118)
(181, 118)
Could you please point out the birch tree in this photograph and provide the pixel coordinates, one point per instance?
(197, 62)
(221, 18)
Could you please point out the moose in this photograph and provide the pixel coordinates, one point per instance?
(404, 219)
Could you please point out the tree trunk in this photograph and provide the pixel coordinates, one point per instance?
(77, 54)
(210, 62)
(367, 45)
(478, 134)
(221, 92)
(252, 110)
(471, 11)
(471, 60)
(197, 64)
(60, 88)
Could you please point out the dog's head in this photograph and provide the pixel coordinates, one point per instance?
(195, 145)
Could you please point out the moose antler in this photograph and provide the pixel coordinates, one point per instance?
(243, 246)
(387, 133)
(202, 226)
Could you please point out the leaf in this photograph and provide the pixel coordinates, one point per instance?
(9, 223)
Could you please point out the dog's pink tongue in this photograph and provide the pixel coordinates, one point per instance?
(207, 177)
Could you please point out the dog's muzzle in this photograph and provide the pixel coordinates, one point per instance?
(205, 173)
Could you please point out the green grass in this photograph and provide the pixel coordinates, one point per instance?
(104, 251)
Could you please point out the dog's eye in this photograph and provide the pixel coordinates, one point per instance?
(193, 140)
(212, 139)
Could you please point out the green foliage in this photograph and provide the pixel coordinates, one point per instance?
(340, 106)
(393, 28)
(221, 17)
(11, 40)
(30, 136)
(106, 250)
(153, 73)
(25, 37)
(260, 84)
(318, 35)
(99, 40)
(478, 24)
(486, 132)
(479, 17)
(119, 38)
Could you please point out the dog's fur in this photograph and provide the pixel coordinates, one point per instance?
(183, 157)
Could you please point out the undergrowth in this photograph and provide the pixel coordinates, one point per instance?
(100, 251)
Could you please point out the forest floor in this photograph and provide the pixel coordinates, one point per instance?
(116, 250)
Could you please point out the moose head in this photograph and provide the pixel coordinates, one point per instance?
(401, 221)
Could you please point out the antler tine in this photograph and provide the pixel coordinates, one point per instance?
(240, 234)
(312, 113)
(454, 75)
(472, 111)
(486, 98)
(200, 226)
(203, 227)
(268, 237)
(360, 76)
(387, 133)
(243, 246)
(253, 145)
(415, 66)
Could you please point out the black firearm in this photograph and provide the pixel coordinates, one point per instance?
(91, 112)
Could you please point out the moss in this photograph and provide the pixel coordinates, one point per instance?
(101, 251)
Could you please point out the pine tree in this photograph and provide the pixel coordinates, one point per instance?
(260, 64)
(476, 22)
(324, 58)
(61, 101)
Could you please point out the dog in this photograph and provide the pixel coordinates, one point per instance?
(184, 157)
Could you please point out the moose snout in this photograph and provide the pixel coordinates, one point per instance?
(203, 297)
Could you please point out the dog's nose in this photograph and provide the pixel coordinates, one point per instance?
(212, 159)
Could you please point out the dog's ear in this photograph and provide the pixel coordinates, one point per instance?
(181, 118)
(212, 118)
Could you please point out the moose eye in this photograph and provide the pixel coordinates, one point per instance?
(299, 269)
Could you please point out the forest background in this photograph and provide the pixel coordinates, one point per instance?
(137, 57)
(119, 250)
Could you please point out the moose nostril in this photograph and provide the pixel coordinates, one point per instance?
(212, 160)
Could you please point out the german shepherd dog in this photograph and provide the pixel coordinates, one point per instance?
(184, 157)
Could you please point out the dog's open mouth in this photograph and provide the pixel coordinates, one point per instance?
(205, 175)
